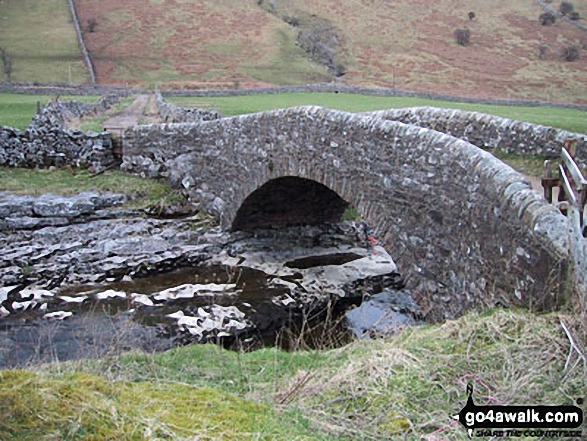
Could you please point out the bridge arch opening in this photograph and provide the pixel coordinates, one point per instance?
(288, 201)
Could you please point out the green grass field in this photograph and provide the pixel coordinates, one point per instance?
(41, 38)
(17, 110)
(568, 119)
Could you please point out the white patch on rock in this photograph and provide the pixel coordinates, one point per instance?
(58, 315)
(110, 294)
(76, 299)
(189, 291)
(176, 315)
(142, 299)
(212, 321)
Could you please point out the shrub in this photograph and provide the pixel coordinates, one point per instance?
(543, 51)
(571, 53)
(6, 63)
(92, 23)
(547, 18)
(575, 16)
(471, 15)
(463, 36)
(566, 8)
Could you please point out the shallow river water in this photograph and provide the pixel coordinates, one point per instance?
(118, 282)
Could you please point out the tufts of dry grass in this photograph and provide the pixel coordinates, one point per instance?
(404, 387)
(408, 386)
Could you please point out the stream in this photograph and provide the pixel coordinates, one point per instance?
(98, 281)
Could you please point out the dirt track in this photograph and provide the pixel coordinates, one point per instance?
(129, 116)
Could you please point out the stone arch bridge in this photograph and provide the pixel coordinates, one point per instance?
(465, 229)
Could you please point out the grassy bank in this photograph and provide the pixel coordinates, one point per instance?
(403, 387)
(87, 407)
(148, 192)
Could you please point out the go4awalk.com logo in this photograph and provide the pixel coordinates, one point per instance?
(521, 421)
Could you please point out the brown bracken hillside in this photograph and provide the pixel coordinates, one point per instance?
(409, 44)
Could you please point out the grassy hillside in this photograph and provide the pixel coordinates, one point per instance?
(195, 42)
(410, 44)
(404, 387)
(414, 42)
(231, 43)
(40, 37)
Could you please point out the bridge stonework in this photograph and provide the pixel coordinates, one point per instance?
(489, 131)
(465, 229)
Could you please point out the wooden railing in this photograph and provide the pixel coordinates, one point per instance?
(571, 185)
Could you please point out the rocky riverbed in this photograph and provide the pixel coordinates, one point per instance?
(83, 276)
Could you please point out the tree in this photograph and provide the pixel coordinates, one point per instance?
(570, 53)
(463, 36)
(471, 15)
(92, 23)
(547, 18)
(566, 8)
(6, 63)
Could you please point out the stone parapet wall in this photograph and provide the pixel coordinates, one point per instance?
(169, 112)
(488, 131)
(466, 230)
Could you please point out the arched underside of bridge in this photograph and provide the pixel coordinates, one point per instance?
(286, 201)
(466, 230)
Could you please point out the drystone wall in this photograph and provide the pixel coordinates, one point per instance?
(47, 143)
(80, 38)
(466, 230)
(488, 131)
(79, 109)
(169, 112)
(38, 88)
